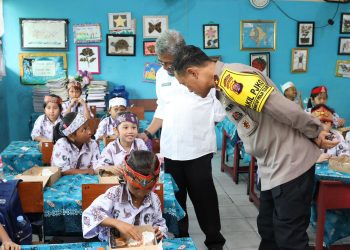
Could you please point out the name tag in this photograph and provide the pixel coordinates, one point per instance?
(246, 89)
(166, 84)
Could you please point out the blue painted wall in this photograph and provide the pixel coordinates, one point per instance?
(187, 16)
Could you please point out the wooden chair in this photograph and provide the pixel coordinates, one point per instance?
(93, 124)
(138, 111)
(93, 110)
(46, 150)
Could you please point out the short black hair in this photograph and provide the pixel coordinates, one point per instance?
(59, 127)
(189, 56)
(143, 162)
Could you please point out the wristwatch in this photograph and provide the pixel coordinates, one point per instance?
(149, 135)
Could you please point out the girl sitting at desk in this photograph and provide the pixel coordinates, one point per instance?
(43, 126)
(127, 205)
(74, 151)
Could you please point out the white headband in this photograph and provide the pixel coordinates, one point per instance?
(286, 86)
(117, 101)
(76, 123)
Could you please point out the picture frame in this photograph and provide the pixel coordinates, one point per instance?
(153, 26)
(211, 36)
(87, 33)
(258, 35)
(299, 60)
(119, 21)
(130, 31)
(345, 23)
(306, 34)
(88, 58)
(38, 68)
(344, 46)
(343, 68)
(120, 45)
(149, 48)
(150, 70)
(43, 33)
(261, 61)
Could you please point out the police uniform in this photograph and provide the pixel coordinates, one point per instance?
(279, 135)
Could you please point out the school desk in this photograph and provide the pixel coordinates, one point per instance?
(20, 156)
(333, 195)
(168, 244)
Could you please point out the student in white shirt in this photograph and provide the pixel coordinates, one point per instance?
(187, 141)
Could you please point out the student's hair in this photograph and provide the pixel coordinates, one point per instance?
(312, 96)
(143, 162)
(59, 127)
(169, 43)
(190, 56)
(322, 106)
(59, 105)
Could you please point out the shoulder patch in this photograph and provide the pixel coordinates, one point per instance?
(246, 89)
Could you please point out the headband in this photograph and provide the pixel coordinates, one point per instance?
(52, 99)
(320, 89)
(74, 84)
(138, 180)
(126, 117)
(76, 123)
(323, 113)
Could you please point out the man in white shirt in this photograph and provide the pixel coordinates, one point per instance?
(188, 141)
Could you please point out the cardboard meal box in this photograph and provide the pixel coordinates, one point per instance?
(117, 241)
(340, 163)
(47, 175)
(106, 177)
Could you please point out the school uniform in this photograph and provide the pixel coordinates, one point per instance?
(67, 156)
(117, 203)
(44, 127)
(342, 148)
(105, 128)
(114, 153)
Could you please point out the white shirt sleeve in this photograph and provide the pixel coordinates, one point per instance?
(219, 112)
(106, 158)
(102, 129)
(37, 128)
(159, 112)
(60, 156)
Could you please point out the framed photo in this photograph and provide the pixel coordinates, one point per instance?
(38, 68)
(150, 70)
(130, 31)
(299, 60)
(344, 46)
(88, 58)
(153, 26)
(121, 45)
(345, 23)
(87, 33)
(39, 33)
(149, 48)
(343, 68)
(119, 21)
(258, 35)
(211, 36)
(261, 61)
(306, 34)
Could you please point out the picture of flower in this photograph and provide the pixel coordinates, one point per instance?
(211, 36)
(88, 59)
(305, 34)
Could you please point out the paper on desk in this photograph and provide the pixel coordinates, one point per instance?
(25, 148)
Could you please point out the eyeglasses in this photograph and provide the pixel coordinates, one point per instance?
(166, 64)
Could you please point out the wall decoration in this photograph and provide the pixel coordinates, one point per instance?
(306, 34)
(211, 36)
(150, 70)
(119, 21)
(153, 26)
(299, 60)
(38, 68)
(130, 31)
(88, 58)
(87, 33)
(344, 46)
(345, 23)
(258, 35)
(215, 58)
(149, 48)
(41, 33)
(121, 45)
(343, 68)
(261, 61)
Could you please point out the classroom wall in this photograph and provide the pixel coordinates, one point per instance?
(187, 16)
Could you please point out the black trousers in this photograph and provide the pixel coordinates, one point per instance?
(284, 214)
(195, 178)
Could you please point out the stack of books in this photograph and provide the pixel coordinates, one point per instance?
(39, 92)
(96, 93)
(58, 87)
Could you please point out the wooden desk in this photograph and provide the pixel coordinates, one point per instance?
(46, 150)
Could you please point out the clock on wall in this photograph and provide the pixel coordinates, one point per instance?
(259, 3)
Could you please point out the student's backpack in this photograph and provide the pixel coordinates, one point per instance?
(12, 217)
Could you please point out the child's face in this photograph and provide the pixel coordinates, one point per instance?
(52, 111)
(127, 131)
(291, 93)
(137, 192)
(114, 111)
(82, 135)
(74, 93)
(320, 99)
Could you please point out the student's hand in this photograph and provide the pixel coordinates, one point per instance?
(324, 143)
(299, 96)
(116, 170)
(9, 245)
(73, 101)
(158, 233)
(128, 230)
(143, 136)
(81, 101)
(341, 122)
(323, 157)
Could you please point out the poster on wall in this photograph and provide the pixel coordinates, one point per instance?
(343, 68)
(150, 70)
(88, 58)
(258, 35)
(38, 68)
(87, 33)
